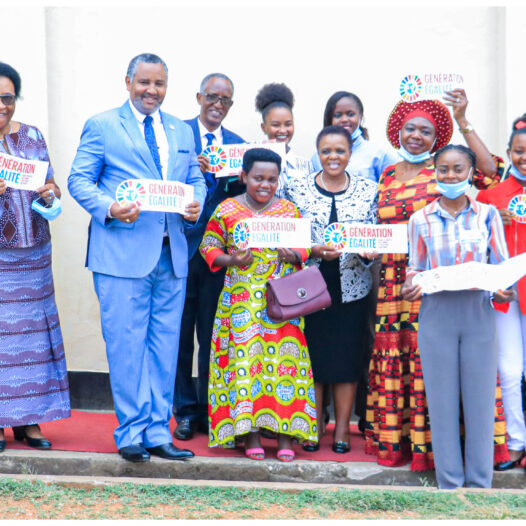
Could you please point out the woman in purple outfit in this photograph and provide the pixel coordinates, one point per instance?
(33, 377)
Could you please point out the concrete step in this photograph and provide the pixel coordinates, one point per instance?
(70, 463)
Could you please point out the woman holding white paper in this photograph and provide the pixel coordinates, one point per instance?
(275, 101)
(511, 319)
(456, 335)
(33, 376)
(336, 336)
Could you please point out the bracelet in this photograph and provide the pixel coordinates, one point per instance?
(468, 128)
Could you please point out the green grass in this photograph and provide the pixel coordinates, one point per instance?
(126, 501)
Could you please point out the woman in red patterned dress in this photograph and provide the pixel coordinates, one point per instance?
(397, 428)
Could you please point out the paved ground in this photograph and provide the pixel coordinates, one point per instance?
(103, 466)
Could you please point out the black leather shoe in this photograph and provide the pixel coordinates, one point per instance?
(134, 453)
(341, 447)
(170, 452)
(185, 429)
(37, 443)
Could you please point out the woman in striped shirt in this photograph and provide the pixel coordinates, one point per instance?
(456, 334)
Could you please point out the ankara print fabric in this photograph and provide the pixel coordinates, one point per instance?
(260, 371)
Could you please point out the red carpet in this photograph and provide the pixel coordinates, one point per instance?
(93, 432)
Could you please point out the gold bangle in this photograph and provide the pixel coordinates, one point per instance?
(467, 129)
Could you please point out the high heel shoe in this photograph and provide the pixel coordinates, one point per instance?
(20, 433)
(341, 447)
(510, 464)
(311, 447)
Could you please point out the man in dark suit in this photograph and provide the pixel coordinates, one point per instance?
(203, 287)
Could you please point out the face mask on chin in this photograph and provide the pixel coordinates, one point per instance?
(356, 133)
(411, 158)
(454, 190)
(515, 172)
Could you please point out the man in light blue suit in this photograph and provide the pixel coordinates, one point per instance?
(139, 259)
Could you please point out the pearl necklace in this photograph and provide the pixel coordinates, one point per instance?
(347, 183)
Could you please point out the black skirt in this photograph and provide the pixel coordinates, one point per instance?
(337, 336)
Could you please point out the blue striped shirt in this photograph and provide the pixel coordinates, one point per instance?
(437, 239)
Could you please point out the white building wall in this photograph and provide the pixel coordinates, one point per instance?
(74, 61)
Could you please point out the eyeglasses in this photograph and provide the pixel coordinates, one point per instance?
(7, 100)
(226, 102)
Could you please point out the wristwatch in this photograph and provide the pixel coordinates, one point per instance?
(467, 129)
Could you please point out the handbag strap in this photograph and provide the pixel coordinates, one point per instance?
(280, 265)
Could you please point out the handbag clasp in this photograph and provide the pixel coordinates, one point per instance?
(302, 293)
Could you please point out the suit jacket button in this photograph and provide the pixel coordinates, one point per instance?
(161, 221)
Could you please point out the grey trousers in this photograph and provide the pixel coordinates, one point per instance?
(458, 349)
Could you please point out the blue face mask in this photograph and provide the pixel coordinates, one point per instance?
(516, 173)
(454, 190)
(409, 157)
(48, 212)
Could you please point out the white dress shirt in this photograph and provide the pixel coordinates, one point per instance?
(160, 138)
(217, 133)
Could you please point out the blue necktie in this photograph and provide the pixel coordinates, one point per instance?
(149, 136)
(209, 177)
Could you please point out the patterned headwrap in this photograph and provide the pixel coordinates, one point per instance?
(432, 110)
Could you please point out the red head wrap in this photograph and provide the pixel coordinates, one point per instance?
(419, 113)
(432, 110)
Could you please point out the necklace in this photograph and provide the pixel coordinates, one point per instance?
(8, 133)
(452, 211)
(347, 183)
(257, 212)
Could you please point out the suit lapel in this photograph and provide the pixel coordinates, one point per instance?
(197, 138)
(171, 137)
(130, 125)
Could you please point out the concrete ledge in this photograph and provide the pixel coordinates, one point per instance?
(67, 463)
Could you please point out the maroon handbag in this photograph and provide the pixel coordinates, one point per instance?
(297, 294)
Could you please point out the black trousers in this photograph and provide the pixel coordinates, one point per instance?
(203, 288)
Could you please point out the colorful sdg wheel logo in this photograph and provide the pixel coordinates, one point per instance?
(410, 88)
(241, 235)
(336, 236)
(217, 158)
(130, 192)
(517, 207)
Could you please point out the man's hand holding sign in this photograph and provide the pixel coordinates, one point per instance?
(135, 195)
